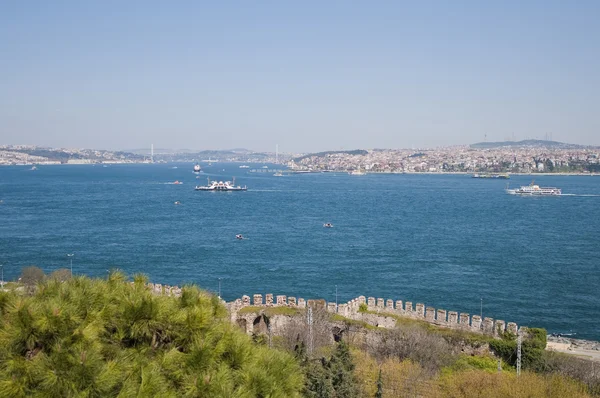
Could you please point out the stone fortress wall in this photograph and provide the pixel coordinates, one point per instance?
(378, 311)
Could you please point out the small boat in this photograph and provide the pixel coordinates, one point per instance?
(244, 166)
(33, 168)
(197, 168)
(265, 167)
(278, 174)
(177, 202)
(328, 225)
(239, 236)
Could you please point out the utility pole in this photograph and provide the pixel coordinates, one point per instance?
(309, 321)
(336, 304)
(519, 341)
(481, 310)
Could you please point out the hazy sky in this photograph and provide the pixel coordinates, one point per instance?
(307, 75)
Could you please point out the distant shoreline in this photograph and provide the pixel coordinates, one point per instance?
(328, 171)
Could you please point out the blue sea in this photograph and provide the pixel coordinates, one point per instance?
(449, 241)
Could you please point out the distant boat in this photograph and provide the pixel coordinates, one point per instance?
(33, 168)
(265, 167)
(177, 202)
(244, 166)
(278, 174)
(328, 225)
(221, 186)
(197, 168)
(497, 176)
(177, 182)
(358, 172)
(239, 236)
(534, 190)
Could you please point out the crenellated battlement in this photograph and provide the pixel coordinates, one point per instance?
(378, 310)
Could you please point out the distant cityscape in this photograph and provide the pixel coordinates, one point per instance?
(531, 156)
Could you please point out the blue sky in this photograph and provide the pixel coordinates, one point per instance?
(308, 76)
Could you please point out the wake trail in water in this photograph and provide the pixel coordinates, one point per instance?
(581, 195)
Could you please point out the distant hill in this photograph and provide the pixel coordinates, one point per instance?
(528, 143)
(321, 154)
(170, 151)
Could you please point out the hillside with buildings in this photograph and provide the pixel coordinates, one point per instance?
(523, 158)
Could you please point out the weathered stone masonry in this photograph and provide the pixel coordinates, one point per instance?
(378, 311)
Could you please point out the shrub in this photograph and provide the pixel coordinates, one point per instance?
(32, 275)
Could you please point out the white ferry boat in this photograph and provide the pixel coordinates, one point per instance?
(221, 186)
(197, 168)
(534, 190)
(357, 173)
(244, 166)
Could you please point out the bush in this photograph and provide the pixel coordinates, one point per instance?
(31, 276)
(429, 350)
(61, 275)
(476, 383)
(363, 307)
(468, 362)
(532, 349)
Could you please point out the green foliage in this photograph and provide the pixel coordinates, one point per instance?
(532, 349)
(505, 349)
(537, 338)
(352, 322)
(363, 307)
(332, 378)
(468, 362)
(270, 311)
(379, 392)
(108, 338)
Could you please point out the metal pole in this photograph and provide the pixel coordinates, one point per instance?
(2, 268)
(71, 257)
(219, 287)
(336, 305)
(481, 310)
(310, 331)
(519, 341)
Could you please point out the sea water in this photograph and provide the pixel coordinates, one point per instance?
(448, 241)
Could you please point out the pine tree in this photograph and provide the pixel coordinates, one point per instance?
(97, 338)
